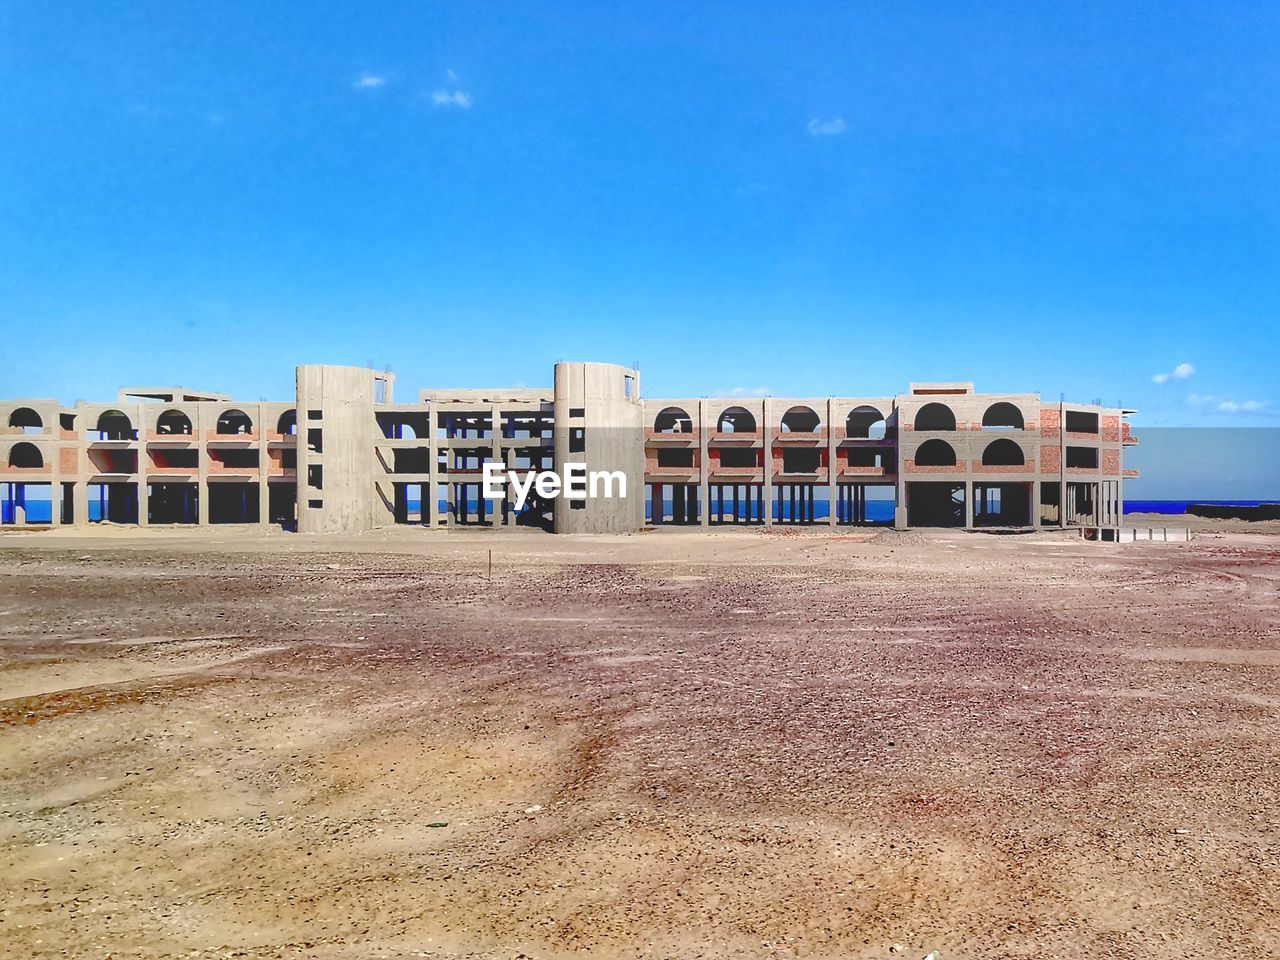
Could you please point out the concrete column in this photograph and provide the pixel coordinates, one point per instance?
(1062, 465)
(900, 482)
(144, 497)
(831, 465)
(704, 489)
(766, 427)
(433, 450)
(968, 504)
(264, 462)
(202, 463)
(1120, 485)
(495, 453)
(80, 493)
(55, 480)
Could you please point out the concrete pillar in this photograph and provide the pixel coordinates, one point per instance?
(1062, 465)
(495, 454)
(144, 495)
(831, 464)
(900, 482)
(766, 427)
(55, 480)
(968, 504)
(264, 463)
(433, 451)
(704, 494)
(202, 462)
(80, 493)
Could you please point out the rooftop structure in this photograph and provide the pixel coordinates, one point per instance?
(343, 456)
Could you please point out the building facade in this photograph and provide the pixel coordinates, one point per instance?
(344, 457)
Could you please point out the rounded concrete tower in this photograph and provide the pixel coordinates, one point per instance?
(599, 431)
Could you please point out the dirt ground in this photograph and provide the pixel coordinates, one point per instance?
(668, 745)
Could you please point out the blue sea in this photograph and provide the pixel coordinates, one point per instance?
(1180, 506)
(877, 510)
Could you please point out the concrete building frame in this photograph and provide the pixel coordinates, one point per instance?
(344, 457)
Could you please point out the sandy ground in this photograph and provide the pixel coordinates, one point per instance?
(669, 745)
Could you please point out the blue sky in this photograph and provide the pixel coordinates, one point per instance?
(799, 198)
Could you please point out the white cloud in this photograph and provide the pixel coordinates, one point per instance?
(451, 98)
(1180, 372)
(826, 128)
(1226, 405)
(749, 392)
(1248, 406)
(369, 81)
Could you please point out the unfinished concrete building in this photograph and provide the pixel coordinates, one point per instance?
(343, 456)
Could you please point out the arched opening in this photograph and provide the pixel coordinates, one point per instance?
(800, 420)
(672, 420)
(287, 425)
(865, 423)
(26, 420)
(935, 453)
(935, 416)
(1002, 453)
(234, 421)
(736, 420)
(1003, 416)
(402, 430)
(114, 425)
(173, 423)
(25, 455)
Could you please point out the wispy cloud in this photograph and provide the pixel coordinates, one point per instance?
(1219, 404)
(748, 392)
(826, 128)
(451, 96)
(369, 81)
(1248, 406)
(1180, 372)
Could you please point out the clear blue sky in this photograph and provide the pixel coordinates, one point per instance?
(799, 198)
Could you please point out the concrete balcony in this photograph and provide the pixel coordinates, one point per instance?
(656, 438)
(798, 476)
(843, 441)
(18, 473)
(985, 468)
(795, 438)
(112, 444)
(736, 473)
(911, 467)
(732, 439)
(231, 439)
(672, 475)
